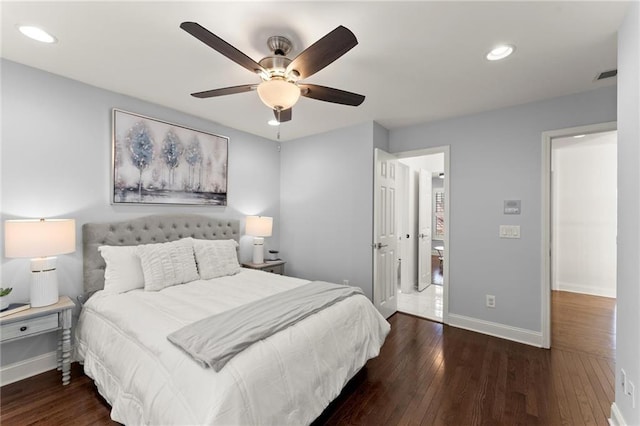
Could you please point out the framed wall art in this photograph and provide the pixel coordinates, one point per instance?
(156, 162)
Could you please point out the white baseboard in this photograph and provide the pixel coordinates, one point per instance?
(594, 291)
(521, 335)
(616, 416)
(11, 373)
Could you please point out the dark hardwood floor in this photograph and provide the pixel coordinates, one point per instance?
(42, 400)
(426, 374)
(431, 374)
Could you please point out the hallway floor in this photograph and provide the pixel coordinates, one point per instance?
(424, 304)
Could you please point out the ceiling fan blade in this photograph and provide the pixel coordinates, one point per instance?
(225, 91)
(329, 94)
(323, 52)
(282, 115)
(218, 44)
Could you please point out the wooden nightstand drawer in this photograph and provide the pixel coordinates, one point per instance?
(276, 269)
(273, 266)
(28, 327)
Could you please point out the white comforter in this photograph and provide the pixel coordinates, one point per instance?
(288, 378)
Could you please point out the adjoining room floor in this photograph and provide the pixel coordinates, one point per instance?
(425, 304)
(428, 302)
(583, 323)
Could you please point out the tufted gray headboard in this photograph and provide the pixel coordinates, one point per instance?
(147, 230)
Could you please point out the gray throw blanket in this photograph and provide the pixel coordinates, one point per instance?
(213, 341)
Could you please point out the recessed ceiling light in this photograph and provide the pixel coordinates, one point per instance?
(273, 122)
(37, 34)
(500, 52)
(579, 136)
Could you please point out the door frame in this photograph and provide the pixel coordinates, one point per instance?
(545, 267)
(447, 215)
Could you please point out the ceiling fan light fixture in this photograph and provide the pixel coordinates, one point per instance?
(263, 74)
(500, 52)
(278, 94)
(273, 122)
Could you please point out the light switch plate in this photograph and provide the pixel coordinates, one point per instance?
(509, 231)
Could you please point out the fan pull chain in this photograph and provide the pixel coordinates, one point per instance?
(279, 123)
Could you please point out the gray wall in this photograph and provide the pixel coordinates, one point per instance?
(380, 141)
(628, 312)
(56, 157)
(495, 156)
(326, 200)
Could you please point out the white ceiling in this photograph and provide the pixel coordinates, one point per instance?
(415, 61)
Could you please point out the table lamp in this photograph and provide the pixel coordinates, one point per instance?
(41, 240)
(259, 227)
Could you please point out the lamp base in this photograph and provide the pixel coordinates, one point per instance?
(44, 282)
(258, 250)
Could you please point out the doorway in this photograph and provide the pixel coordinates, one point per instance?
(584, 213)
(422, 233)
(579, 214)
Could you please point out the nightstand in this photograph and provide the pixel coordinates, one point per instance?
(273, 266)
(35, 321)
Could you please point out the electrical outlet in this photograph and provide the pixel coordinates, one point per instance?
(345, 282)
(491, 301)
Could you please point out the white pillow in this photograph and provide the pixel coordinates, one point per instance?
(167, 264)
(216, 258)
(123, 272)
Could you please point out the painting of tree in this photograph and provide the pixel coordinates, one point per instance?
(172, 150)
(193, 156)
(152, 164)
(140, 144)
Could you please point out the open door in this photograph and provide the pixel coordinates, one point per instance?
(405, 256)
(425, 210)
(385, 238)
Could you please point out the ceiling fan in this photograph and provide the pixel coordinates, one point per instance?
(281, 88)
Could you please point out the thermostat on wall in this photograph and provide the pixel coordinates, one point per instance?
(511, 206)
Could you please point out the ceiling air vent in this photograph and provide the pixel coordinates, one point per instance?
(606, 74)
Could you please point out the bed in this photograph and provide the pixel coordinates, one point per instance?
(289, 377)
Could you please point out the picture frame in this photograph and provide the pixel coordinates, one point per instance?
(158, 162)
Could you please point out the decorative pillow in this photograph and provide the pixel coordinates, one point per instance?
(216, 258)
(123, 272)
(167, 264)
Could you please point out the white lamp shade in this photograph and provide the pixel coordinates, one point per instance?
(278, 94)
(259, 226)
(39, 238)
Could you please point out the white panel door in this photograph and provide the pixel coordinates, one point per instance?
(425, 210)
(405, 251)
(385, 238)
